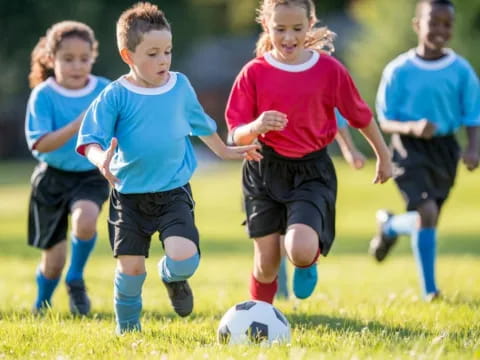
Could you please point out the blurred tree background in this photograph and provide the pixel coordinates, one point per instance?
(212, 40)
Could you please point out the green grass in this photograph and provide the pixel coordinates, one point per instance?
(360, 310)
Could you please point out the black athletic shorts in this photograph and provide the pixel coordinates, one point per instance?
(281, 191)
(425, 169)
(134, 218)
(54, 192)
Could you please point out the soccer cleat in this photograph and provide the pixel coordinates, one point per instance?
(79, 301)
(382, 243)
(433, 297)
(181, 296)
(304, 281)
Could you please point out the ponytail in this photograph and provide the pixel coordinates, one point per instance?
(41, 67)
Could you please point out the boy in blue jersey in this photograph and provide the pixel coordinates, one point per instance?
(424, 97)
(137, 133)
(63, 183)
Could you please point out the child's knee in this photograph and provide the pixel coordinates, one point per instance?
(428, 212)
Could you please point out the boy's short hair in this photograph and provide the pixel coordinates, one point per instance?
(136, 21)
(420, 3)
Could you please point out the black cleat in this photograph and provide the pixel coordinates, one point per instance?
(381, 244)
(181, 297)
(79, 301)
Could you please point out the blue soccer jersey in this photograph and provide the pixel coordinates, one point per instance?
(341, 121)
(445, 92)
(51, 107)
(152, 126)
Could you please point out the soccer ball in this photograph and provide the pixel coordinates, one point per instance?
(253, 322)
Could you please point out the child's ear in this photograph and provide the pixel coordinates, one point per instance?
(126, 56)
(50, 59)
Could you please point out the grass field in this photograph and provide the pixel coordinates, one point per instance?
(360, 310)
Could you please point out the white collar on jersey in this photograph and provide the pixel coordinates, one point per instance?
(150, 91)
(293, 68)
(439, 64)
(74, 93)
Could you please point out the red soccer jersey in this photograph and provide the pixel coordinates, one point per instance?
(307, 93)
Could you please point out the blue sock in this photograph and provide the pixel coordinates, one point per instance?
(45, 290)
(172, 270)
(402, 224)
(424, 250)
(81, 250)
(128, 301)
(282, 291)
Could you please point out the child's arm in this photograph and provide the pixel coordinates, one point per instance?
(421, 128)
(384, 164)
(471, 154)
(55, 139)
(225, 152)
(267, 121)
(349, 151)
(101, 159)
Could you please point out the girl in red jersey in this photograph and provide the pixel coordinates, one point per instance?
(285, 98)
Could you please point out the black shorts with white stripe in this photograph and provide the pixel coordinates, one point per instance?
(53, 193)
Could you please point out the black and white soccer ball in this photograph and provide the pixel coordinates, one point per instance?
(253, 322)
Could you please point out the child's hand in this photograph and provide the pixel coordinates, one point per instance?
(269, 121)
(355, 159)
(423, 129)
(470, 158)
(104, 163)
(384, 171)
(249, 152)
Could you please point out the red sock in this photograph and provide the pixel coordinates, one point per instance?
(313, 262)
(262, 291)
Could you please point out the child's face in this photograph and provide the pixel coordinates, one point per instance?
(434, 25)
(72, 63)
(151, 60)
(287, 28)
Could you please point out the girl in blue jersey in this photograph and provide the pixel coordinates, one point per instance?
(424, 97)
(137, 133)
(63, 183)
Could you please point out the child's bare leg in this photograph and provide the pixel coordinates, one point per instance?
(266, 259)
(302, 248)
(180, 262)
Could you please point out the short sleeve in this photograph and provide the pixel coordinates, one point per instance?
(470, 99)
(98, 125)
(387, 96)
(349, 102)
(341, 121)
(39, 117)
(200, 123)
(241, 105)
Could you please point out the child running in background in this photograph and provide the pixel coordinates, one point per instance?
(137, 133)
(285, 98)
(63, 183)
(425, 96)
(355, 159)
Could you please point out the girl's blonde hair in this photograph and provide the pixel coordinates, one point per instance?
(41, 66)
(320, 39)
